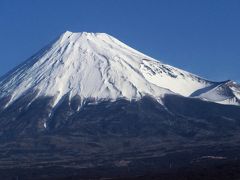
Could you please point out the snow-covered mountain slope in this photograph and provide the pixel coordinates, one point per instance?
(224, 93)
(98, 66)
(174, 79)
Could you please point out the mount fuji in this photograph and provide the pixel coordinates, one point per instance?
(100, 67)
(88, 102)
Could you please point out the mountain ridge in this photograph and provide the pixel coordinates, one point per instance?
(98, 66)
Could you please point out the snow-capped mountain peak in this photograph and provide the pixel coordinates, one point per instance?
(97, 66)
(91, 65)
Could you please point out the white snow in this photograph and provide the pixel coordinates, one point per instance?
(224, 93)
(45, 125)
(98, 66)
(176, 80)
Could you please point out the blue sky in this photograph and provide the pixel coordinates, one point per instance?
(200, 36)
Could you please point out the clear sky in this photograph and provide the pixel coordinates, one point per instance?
(200, 36)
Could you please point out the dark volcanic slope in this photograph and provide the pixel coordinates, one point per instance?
(112, 139)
